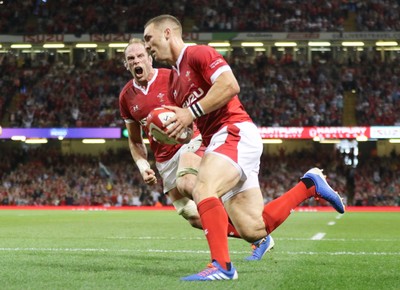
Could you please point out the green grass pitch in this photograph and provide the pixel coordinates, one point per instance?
(45, 249)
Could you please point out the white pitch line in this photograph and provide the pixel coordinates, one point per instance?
(280, 239)
(331, 223)
(102, 250)
(318, 236)
(344, 253)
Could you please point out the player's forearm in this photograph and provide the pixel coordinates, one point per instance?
(139, 155)
(138, 150)
(220, 93)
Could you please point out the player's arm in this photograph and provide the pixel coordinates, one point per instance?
(139, 152)
(224, 88)
(221, 92)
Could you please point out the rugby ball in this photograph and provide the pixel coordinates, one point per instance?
(155, 124)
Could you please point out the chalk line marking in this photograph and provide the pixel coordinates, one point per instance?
(102, 250)
(280, 239)
(318, 236)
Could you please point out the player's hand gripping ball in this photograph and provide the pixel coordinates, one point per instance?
(155, 124)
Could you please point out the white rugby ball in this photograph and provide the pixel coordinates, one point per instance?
(155, 124)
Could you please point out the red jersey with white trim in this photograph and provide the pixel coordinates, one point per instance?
(197, 68)
(136, 102)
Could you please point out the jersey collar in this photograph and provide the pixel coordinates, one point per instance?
(178, 62)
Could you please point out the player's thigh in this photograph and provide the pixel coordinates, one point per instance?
(217, 175)
(189, 160)
(245, 211)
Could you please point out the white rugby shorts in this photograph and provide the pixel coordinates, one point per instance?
(168, 169)
(241, 145)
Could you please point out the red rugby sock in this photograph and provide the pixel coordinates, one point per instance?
(278, 210)
(215, 222)
(232, 232)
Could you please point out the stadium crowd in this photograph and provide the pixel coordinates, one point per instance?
(82, 95)
(381, 15)
(43, 176)
(378, 92)
(10, 81)
(274, 92)
(78, 17)
(290, 93)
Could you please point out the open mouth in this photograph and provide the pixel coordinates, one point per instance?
(138, 71)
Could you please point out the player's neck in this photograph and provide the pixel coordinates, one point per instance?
(143, 85)
(176, 50)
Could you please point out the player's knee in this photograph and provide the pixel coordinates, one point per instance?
(185, 181)
(185, 184)
(188, 209)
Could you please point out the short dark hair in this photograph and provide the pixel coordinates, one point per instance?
(163, 18)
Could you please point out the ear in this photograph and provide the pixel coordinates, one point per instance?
(167, 33)
(126, 65)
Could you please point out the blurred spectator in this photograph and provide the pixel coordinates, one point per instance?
(289, 93)
(378, 91)
(43, 176)
(127, 16)
(380, 15)
(82, 95)
(275, 93)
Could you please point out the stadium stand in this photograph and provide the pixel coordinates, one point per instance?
(44, 176)
(377, 15)
(77, 17)
(59, 98)
(299, 93)
(275, 93)
(277, 90)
